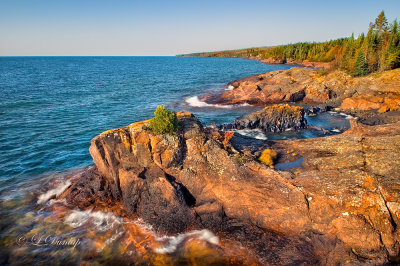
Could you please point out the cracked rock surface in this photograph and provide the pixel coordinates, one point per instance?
(305, 86)
(341, 205)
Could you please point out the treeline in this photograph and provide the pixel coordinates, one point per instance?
(378, 50)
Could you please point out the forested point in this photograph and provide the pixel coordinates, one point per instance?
(378, 50)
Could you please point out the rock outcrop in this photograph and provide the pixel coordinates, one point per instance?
(351, 187)
(380, 91)
(275, 118)
(305, 63)
(341, 206)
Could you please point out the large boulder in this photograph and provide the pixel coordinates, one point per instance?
(341, 205)
(275, 118)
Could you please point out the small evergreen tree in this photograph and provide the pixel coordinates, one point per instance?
(360, 65)
(164, 121)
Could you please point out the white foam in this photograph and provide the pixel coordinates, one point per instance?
(346, 116)
(173, 241)
(194, 101)
(54, 192)
(113, 238)
(253, 133)
(336, 130)
(62, 201)
(148, 228)
(103, 221)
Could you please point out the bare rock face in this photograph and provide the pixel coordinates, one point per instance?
(351, 182)
(275, 118)
(378, 91)
(294, 85)
(305, 63)
(341, 205)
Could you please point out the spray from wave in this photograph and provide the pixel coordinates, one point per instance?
(229, 88)
(172, 242)
(194, 101)
(54, 192)
(253, 133)
(102, 221)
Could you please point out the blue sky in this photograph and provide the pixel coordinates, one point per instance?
(150, 27)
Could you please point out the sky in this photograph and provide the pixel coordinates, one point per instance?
(170, 27)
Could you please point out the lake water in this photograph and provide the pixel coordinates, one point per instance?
(50, 109)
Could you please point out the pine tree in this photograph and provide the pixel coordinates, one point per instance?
(381, 24)
(392, 55)
(360, 65)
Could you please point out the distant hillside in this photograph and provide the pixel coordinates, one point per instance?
(378, 50)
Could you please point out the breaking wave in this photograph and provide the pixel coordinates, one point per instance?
(172, 242)
(54, 192)
(194, 101)
(253, 133)
(229, 88)
(103, 221)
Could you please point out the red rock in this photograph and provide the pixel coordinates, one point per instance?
(306, 86)
(341, 205)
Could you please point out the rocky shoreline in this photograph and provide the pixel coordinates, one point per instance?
(304, 63)
(341, 205)
(364, 97)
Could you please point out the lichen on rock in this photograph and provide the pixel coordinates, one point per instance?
(317, 214)
(274, 118)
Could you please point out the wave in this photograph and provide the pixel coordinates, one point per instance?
(346, 116)
(54, 192)
(253, 133)
(102, 221)
(229, 88)
(194, 101)
(172, 242)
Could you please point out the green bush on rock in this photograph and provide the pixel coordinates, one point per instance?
(164, 121)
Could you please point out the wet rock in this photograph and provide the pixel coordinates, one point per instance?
(275, 118)
(313, 111)
(89, 189)
(341, 205)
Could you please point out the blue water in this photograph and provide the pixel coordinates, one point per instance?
(51, 107)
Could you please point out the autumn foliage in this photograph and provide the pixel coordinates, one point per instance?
(268, 157)
(378, 50)
(227, 138)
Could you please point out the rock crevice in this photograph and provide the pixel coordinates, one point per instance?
(194, 180)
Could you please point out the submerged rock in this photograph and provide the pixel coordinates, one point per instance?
(341, 205)
(275, 118)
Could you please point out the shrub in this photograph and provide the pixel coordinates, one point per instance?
(227, 138)
(268, 157)
(322, 71)
(241, 158)
(164, 121)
